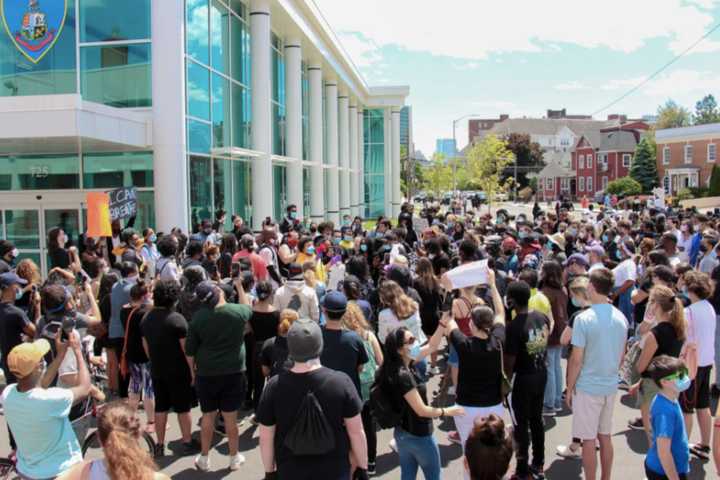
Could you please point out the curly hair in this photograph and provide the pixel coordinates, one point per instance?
(698, 283)
(393, 297)
(354, 319)
(119, 430)
(28, 270)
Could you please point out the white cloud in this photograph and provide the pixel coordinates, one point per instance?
(472, 30)
(621, 84)
(363, 51)
(571, 86)
(683, 82)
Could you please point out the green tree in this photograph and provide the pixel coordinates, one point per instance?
(672, 115)
(644, 165)
(624, 186)
(438, 176)
(486, 163)
(529, 157)
(706, 111)
(714, 187)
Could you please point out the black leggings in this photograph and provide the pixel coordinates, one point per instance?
(258, 379)
(370, 432)
(526, 404)
(656, 476)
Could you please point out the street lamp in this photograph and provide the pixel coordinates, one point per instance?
(454, 123)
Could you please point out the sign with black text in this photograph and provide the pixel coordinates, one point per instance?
(123, 203)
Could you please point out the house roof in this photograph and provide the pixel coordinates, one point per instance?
(548, 126)
(561, 158)
(620, 140)
(554, 170)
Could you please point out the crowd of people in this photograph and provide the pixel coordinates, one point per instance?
(325, 334)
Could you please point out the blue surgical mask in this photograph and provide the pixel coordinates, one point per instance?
(153, 238)
(311, 250)
(19, 294)
(293, 215)
(605, 238)
(415, 351)
(347, 238)
(336, 240)
(363, 248)
(576, 303)
(683, 383)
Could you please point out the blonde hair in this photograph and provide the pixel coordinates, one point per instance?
(28, 270)
(579, 287)
(354, 319)
(287, 318)
(666, 300)
(310, 278)
(393, 297)
(119, 430)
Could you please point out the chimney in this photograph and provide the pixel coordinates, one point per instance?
(504, 117)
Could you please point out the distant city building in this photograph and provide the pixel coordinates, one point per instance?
(686, 156)
(446, 147)
(562, 114)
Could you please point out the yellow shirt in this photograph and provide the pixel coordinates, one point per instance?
(539, 302)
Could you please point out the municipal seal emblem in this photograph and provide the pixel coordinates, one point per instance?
(34, 28)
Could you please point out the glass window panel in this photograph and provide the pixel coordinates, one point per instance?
(326, 189)
(219, 25)
(238, 7)
(65, 218)
(374, 195)
(53, 74)
(113, 170)
(117, 75)
(2, 226)
(240, 116)
(198, 91)
(40, 172)
(23, 228)
(200, 189)
(374, 161)
(242, 190)
(198, 136)
(110, 20)
(146, 209)
(240, 60)
(278, 77)
(197, 30)
(279, 190)
(222, 183)
(306, 192)
(221, 111)
(278, 129)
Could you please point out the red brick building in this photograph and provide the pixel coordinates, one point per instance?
(686, 156)
(477, 126)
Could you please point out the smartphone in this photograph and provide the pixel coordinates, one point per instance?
(235, 270)
(79, 278)
(447, 303)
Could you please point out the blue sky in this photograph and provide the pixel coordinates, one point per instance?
(522, 57)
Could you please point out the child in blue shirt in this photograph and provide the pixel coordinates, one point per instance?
(668, 457)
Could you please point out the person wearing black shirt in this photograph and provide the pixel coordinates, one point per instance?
(164, 332)
(525, 359)
(264, 325)
(340, 403)
(59, 255)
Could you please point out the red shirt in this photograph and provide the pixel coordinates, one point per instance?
(258, 265)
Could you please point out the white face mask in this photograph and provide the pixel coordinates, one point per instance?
(15, 252)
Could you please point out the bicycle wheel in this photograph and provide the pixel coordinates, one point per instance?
(149, 442)
(91, 448)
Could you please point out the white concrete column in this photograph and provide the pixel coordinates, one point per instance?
(293, 121)
(344, 152)
(331, 120)
(361, 163)
(354, 177)
(317, 185)
(396, 191)
(170, 163)
(387, 161)
(261, 83)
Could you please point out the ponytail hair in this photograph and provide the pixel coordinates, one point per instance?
(287, 318)
(119, 430)
(669, 303)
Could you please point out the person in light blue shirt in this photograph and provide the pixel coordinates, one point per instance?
(598, 340)
(669, 455)
(38, 416)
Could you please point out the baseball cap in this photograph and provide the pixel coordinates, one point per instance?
(597, 249)
(295, 271)
(11, 278)
(305, 340)
(24, 358)
(207, 293)
(335, 301)
(578, 258)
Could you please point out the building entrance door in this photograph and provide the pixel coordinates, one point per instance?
(27, 226)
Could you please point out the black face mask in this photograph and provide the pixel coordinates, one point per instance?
(703, 248)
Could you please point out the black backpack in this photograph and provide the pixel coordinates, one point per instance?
(383, 406)
(295, 303)
(311, 434)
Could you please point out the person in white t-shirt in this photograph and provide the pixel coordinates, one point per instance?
(685, 240)
(701, 320)
(625, 277)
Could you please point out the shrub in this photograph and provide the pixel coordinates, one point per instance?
(624, 186)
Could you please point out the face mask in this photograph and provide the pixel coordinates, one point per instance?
(415, 351)
(605, 238)
(683, 383)
(19, 294)
(684, 291)
(363, 248)
(336, 240)
(292, 242)
(573, 232)
(311, 250)
(576, 302)
(346, 222)
(293, 215)
(380, 234)
(153, 238)
(347, 238)
(208, 231)
(696, 228)
(522, 235)
(618, 254)
(14, 253)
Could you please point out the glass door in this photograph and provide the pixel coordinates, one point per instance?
(66, 218)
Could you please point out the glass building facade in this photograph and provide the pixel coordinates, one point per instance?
(374, 152)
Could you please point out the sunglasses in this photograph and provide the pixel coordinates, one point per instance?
(681, 373)
(410, 341)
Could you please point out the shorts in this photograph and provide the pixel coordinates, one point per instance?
(140, 380)
(221, 392)
(648, 390)
(173, 393)
(651, 475)
(592, 415)
(698, 395)
(453, 357)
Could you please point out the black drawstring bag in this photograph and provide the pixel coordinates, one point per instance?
(311, 434)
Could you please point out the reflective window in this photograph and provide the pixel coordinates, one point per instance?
(306, 191)
(240, 116)
(197, 30)
(279, 190)
(117, 75)
(200, 180)
(198, 91)
(39, 172)
(23, 228)
(240, 60)
(55, 71)
(219, 25)
(278, 98)
(374, 162)
(242, 190)
(222, 186)
(238, 7)
(278, 129)
(220, 111)
(111, 20)
(112, 170)
(326, 189)
(146, 209)
(198, 134)
(305, 93)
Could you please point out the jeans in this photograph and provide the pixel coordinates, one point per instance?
(526, 402)
(368, 422)
(554, 384)
(417, 452)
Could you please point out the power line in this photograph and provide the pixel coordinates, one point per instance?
(658, 71)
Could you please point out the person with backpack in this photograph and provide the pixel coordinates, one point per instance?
(399, 397)
(310, 421)
(296, 295)
(354, 321)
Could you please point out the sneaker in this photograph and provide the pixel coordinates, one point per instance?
(189, 448)
(236, 461)
(371, 468)
(253, 420)
(567, 452)
(700, 451)
(454, 437)
(159, 450)
(537, 473)
(202, 463)
(636, 424)
(548, 412)
(393, 445)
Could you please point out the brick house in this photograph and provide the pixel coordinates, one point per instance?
(556, 179)
(686, 156)
(603, 156)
